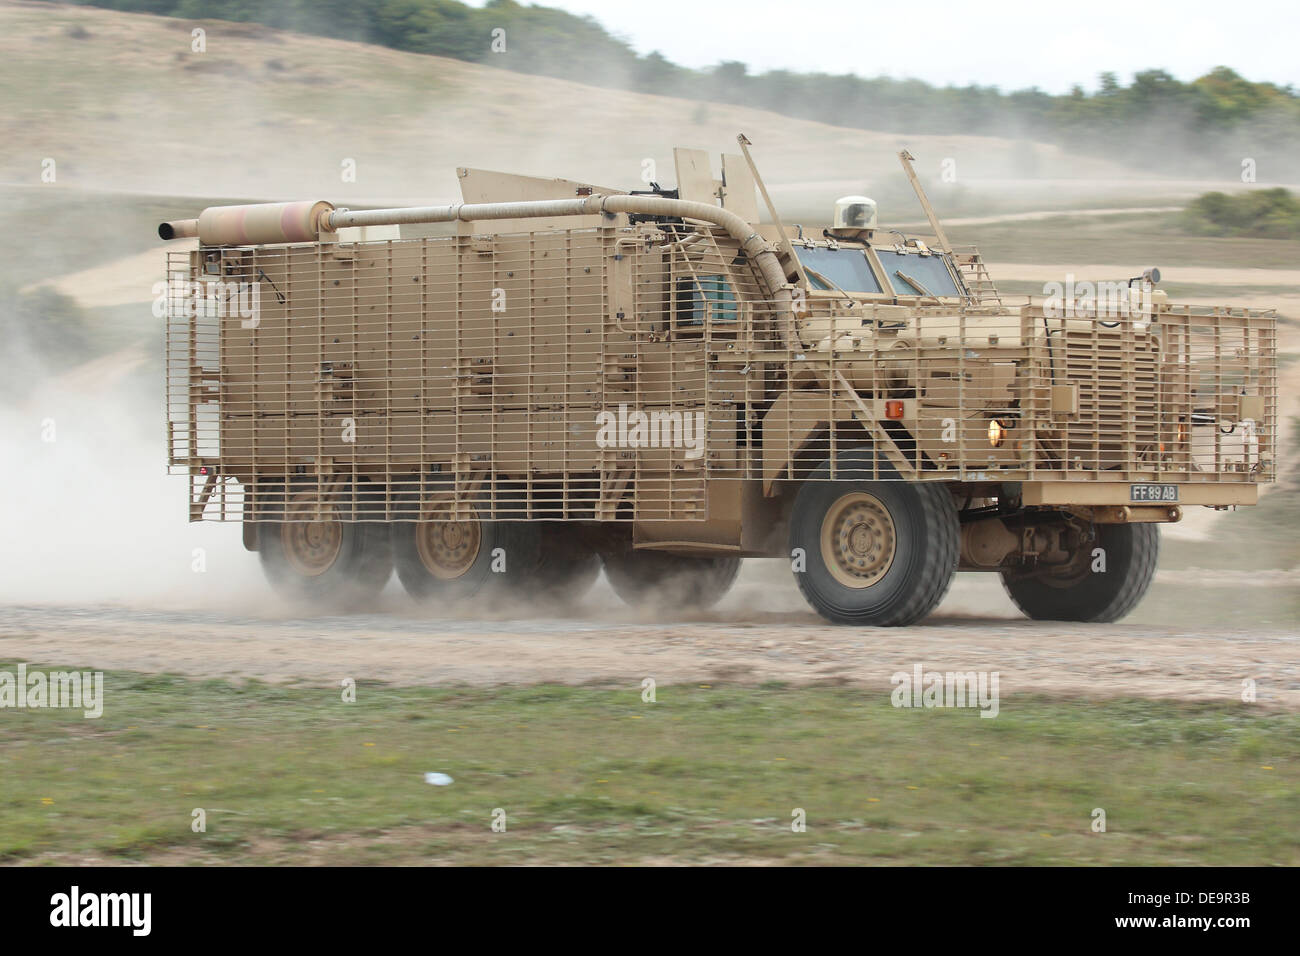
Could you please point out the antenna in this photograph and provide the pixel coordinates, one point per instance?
(907, 159)
(787, 248)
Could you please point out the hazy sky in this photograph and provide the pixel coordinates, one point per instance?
(1012, 44)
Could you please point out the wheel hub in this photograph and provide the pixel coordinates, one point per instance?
(314, 539)
(447, 548)
(858, 540)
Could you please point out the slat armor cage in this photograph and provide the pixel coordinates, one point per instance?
(612, 373)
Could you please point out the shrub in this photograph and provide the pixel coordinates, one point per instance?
(1261, 213)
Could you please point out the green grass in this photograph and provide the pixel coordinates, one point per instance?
(1254, 538)
(594, 775)
(1263, 213)
(1273, 607)
(1143, 239)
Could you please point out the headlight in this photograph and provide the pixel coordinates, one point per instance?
(997, 432)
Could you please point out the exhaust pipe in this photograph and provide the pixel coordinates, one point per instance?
(179, 229)
(305, 221)
(755, 247)
(252, 224)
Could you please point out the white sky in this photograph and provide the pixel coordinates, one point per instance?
(1012, 44)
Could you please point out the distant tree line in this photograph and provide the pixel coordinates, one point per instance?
(1262, 213)
(1217, 120)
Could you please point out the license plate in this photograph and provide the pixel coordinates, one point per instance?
(1156, 493)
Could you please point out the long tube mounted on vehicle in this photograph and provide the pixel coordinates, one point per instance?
(305, 221)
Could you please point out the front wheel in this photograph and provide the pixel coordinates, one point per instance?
(878, 553)
(1103, 580)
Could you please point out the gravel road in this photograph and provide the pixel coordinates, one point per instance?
(759, 633)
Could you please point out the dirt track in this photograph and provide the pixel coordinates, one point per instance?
(754, 636)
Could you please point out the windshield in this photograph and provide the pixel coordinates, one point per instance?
(847, 268)
(929, 272)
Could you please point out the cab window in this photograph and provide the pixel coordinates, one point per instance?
(707, 292)
(846, 268)
(911, 273)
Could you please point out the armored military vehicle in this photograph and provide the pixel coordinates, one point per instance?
(566, 375)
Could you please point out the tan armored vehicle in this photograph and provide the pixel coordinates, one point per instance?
(567, 375)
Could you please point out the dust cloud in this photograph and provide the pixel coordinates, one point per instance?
(90, 514)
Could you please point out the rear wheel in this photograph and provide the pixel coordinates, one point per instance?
(877, 553)
(657, 579)
(1103, 580)
(311, 554)
(567, 566)
(443, 558)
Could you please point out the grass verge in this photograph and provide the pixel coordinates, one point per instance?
(594, 775)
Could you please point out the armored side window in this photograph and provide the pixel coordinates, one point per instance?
(708, 292)
(847, 268)
(914, 274)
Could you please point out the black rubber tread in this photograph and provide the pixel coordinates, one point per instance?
(656, 579)
(924, 564)
(1132, 551)
(363, 567)
(518, 540)
(567, 567)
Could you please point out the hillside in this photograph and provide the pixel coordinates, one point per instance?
(1156, 121)
(264, 113)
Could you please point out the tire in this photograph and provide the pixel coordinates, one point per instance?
(876, 553)
(655, 579)
(339, 565)
(566, 568)
(458, 562)
(1081, 594)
